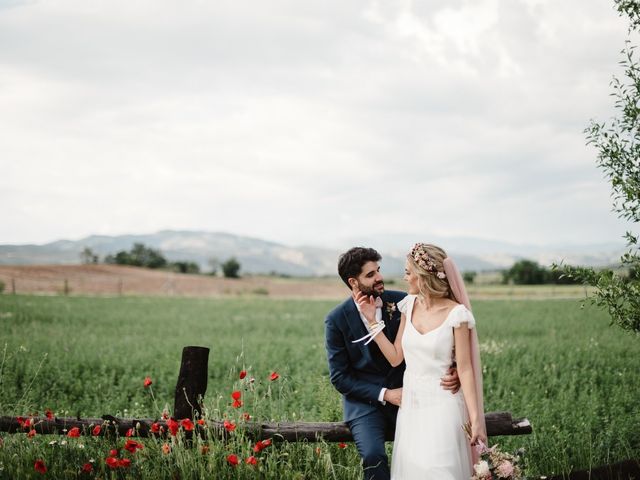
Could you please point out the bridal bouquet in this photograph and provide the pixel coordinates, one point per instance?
(495, 464)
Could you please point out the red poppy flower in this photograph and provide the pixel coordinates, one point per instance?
(187, 424)
(229, 426)
(243, 373)
(342, 445)
(132, 446)
(40, 467)
(259, 446)
(130, 433)
(31, 433)
(124, 462)
(20, 421)
(147, 382)
(28, 423)
(173, 426)
(232, 460)
(74, 432)
(112, 462)
(113, 453)
(155, 428)
(87, 468)
(96, 430)
(246, 416)
(201, 421)
(251, 460)
(49, 414)
(273, 376)
(236, 395)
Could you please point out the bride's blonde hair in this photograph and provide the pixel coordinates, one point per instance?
(427, 260)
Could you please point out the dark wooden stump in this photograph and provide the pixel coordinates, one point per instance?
(192, 382)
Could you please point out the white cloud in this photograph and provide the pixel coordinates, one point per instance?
(305, 122)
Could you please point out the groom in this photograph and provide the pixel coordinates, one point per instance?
(371, 389)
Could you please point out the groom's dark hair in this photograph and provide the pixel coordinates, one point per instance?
(350, 262)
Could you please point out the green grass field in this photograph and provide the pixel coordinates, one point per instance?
(563, 367)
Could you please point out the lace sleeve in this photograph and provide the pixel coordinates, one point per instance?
(460, 315)
(403, 304)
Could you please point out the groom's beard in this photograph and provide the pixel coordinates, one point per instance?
(376, 289)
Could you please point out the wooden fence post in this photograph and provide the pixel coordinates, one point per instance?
(192, 382)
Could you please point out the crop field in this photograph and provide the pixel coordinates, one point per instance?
(560, 365)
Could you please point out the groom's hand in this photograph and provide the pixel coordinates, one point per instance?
(451, 381)
(393, 396)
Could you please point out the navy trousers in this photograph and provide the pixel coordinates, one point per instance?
(369, 433)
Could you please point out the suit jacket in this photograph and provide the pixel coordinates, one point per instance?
(360, 371)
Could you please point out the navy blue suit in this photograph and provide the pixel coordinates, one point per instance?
(359, 372)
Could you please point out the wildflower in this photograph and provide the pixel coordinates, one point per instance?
(31, 433)
(74, 432)
(49, 414)
(232, 460)
(27, 423)
(130, 433)
(132, 446)
(53, 442)
(81, 446)
(147, 382)
(173, 426)
(342, 445)
(201, 421)
(113, 453)
(274, 376)
(246, 416)
(251, 460)
(40, 467)
(87, 468)
(259, 446)
(155, 428)
(187, 424)
(236, 395)
(243, 373)
(112, 462)
(20, 421)
(166, 448)
(96, 430)
(229, 426)
(124, 462)
(165, 414)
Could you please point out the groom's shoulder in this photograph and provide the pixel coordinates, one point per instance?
(394, 295)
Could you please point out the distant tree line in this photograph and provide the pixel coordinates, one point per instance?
(528, 272)
(142, 256)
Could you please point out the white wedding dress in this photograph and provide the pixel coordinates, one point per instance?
(430, 443)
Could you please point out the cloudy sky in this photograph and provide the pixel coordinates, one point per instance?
(306, 121)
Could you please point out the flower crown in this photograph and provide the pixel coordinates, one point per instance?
(421, 257)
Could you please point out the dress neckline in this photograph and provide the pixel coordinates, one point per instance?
(410, 319)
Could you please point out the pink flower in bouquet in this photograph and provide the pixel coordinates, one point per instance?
(505, 469)
(482, 469)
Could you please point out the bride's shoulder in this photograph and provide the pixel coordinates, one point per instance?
(460, 314)
(406, 302)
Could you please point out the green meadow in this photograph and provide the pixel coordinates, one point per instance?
(561, 366)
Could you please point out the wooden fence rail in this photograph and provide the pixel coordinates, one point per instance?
(189, 394)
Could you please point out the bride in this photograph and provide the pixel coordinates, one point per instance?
(436, 327)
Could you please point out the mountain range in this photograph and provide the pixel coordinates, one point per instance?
(259, 256)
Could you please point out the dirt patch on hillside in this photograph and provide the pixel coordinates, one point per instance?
(121, 280)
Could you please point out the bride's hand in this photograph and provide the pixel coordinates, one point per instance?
(366, 303)
(478, 435)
